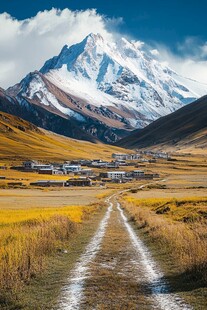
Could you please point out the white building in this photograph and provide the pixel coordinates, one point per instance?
(121, 156)
(72, 168)
(42, 167)
(116, 175)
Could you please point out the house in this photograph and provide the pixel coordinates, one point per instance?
(50, 171)
(45, 171)
(99, 164)
(148, 176)
(85, 162)
(29, 164)
(71, 168)
(116, 174)
(122, 162)
(49, 183)
(121, 156)
(138, 173)
(103, 175)
(113, 164)
(86, 172)
(162, 155)
(57, 166)
(79, 182)
(42, 167)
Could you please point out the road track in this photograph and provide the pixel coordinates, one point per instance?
(117, 271)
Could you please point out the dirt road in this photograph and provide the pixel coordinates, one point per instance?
(117, 271)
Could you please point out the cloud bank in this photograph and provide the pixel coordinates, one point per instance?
(26, 44)
(189, 61)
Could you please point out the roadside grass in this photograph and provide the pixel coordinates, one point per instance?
(29, 238)
(37, 215)
(44, 291)
(105, 194)
(178, 226)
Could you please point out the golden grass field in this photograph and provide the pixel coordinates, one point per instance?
(22, 255)
(178, 225)
(33, 143)
(34, 198)
(171, 217)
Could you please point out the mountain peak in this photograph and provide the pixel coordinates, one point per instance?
(94, 37)
(122, 76)
(93, 41)
(106, 87)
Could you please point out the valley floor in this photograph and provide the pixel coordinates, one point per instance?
(111, 262)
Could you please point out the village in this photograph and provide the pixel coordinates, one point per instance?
(122, 168)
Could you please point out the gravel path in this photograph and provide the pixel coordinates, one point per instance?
(117, 271)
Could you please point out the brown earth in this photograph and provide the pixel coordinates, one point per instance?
(116, 281)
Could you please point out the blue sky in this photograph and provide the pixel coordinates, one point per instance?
(36, 30)
(163, 21)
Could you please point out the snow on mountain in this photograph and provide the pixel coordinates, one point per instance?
(34, 88)
(124, 75)
(106, 88)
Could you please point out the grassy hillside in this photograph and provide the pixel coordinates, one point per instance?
(185, 129)
(22, 140)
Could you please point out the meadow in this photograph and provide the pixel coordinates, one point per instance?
(38, 226)
(177, 226)
(20, 140)
(29, 237)
(49, 198)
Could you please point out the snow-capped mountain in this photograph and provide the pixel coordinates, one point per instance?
(117, 86)
(122, 75)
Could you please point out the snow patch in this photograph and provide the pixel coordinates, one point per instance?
(37, 88)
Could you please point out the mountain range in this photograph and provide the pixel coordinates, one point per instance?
(100, 91)
(184, 129)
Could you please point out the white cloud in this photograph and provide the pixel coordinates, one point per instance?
(27, 44)
(204, 50)
(154, 52)
(190, 61)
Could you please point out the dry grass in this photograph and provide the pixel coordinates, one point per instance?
(44, 145)
(8, 217)
(169, 193)
(178, 226)
(46, 198)
(28, 237)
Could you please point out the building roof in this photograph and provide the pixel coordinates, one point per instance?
(115, 172)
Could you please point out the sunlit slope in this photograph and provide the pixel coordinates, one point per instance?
(21, 140)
